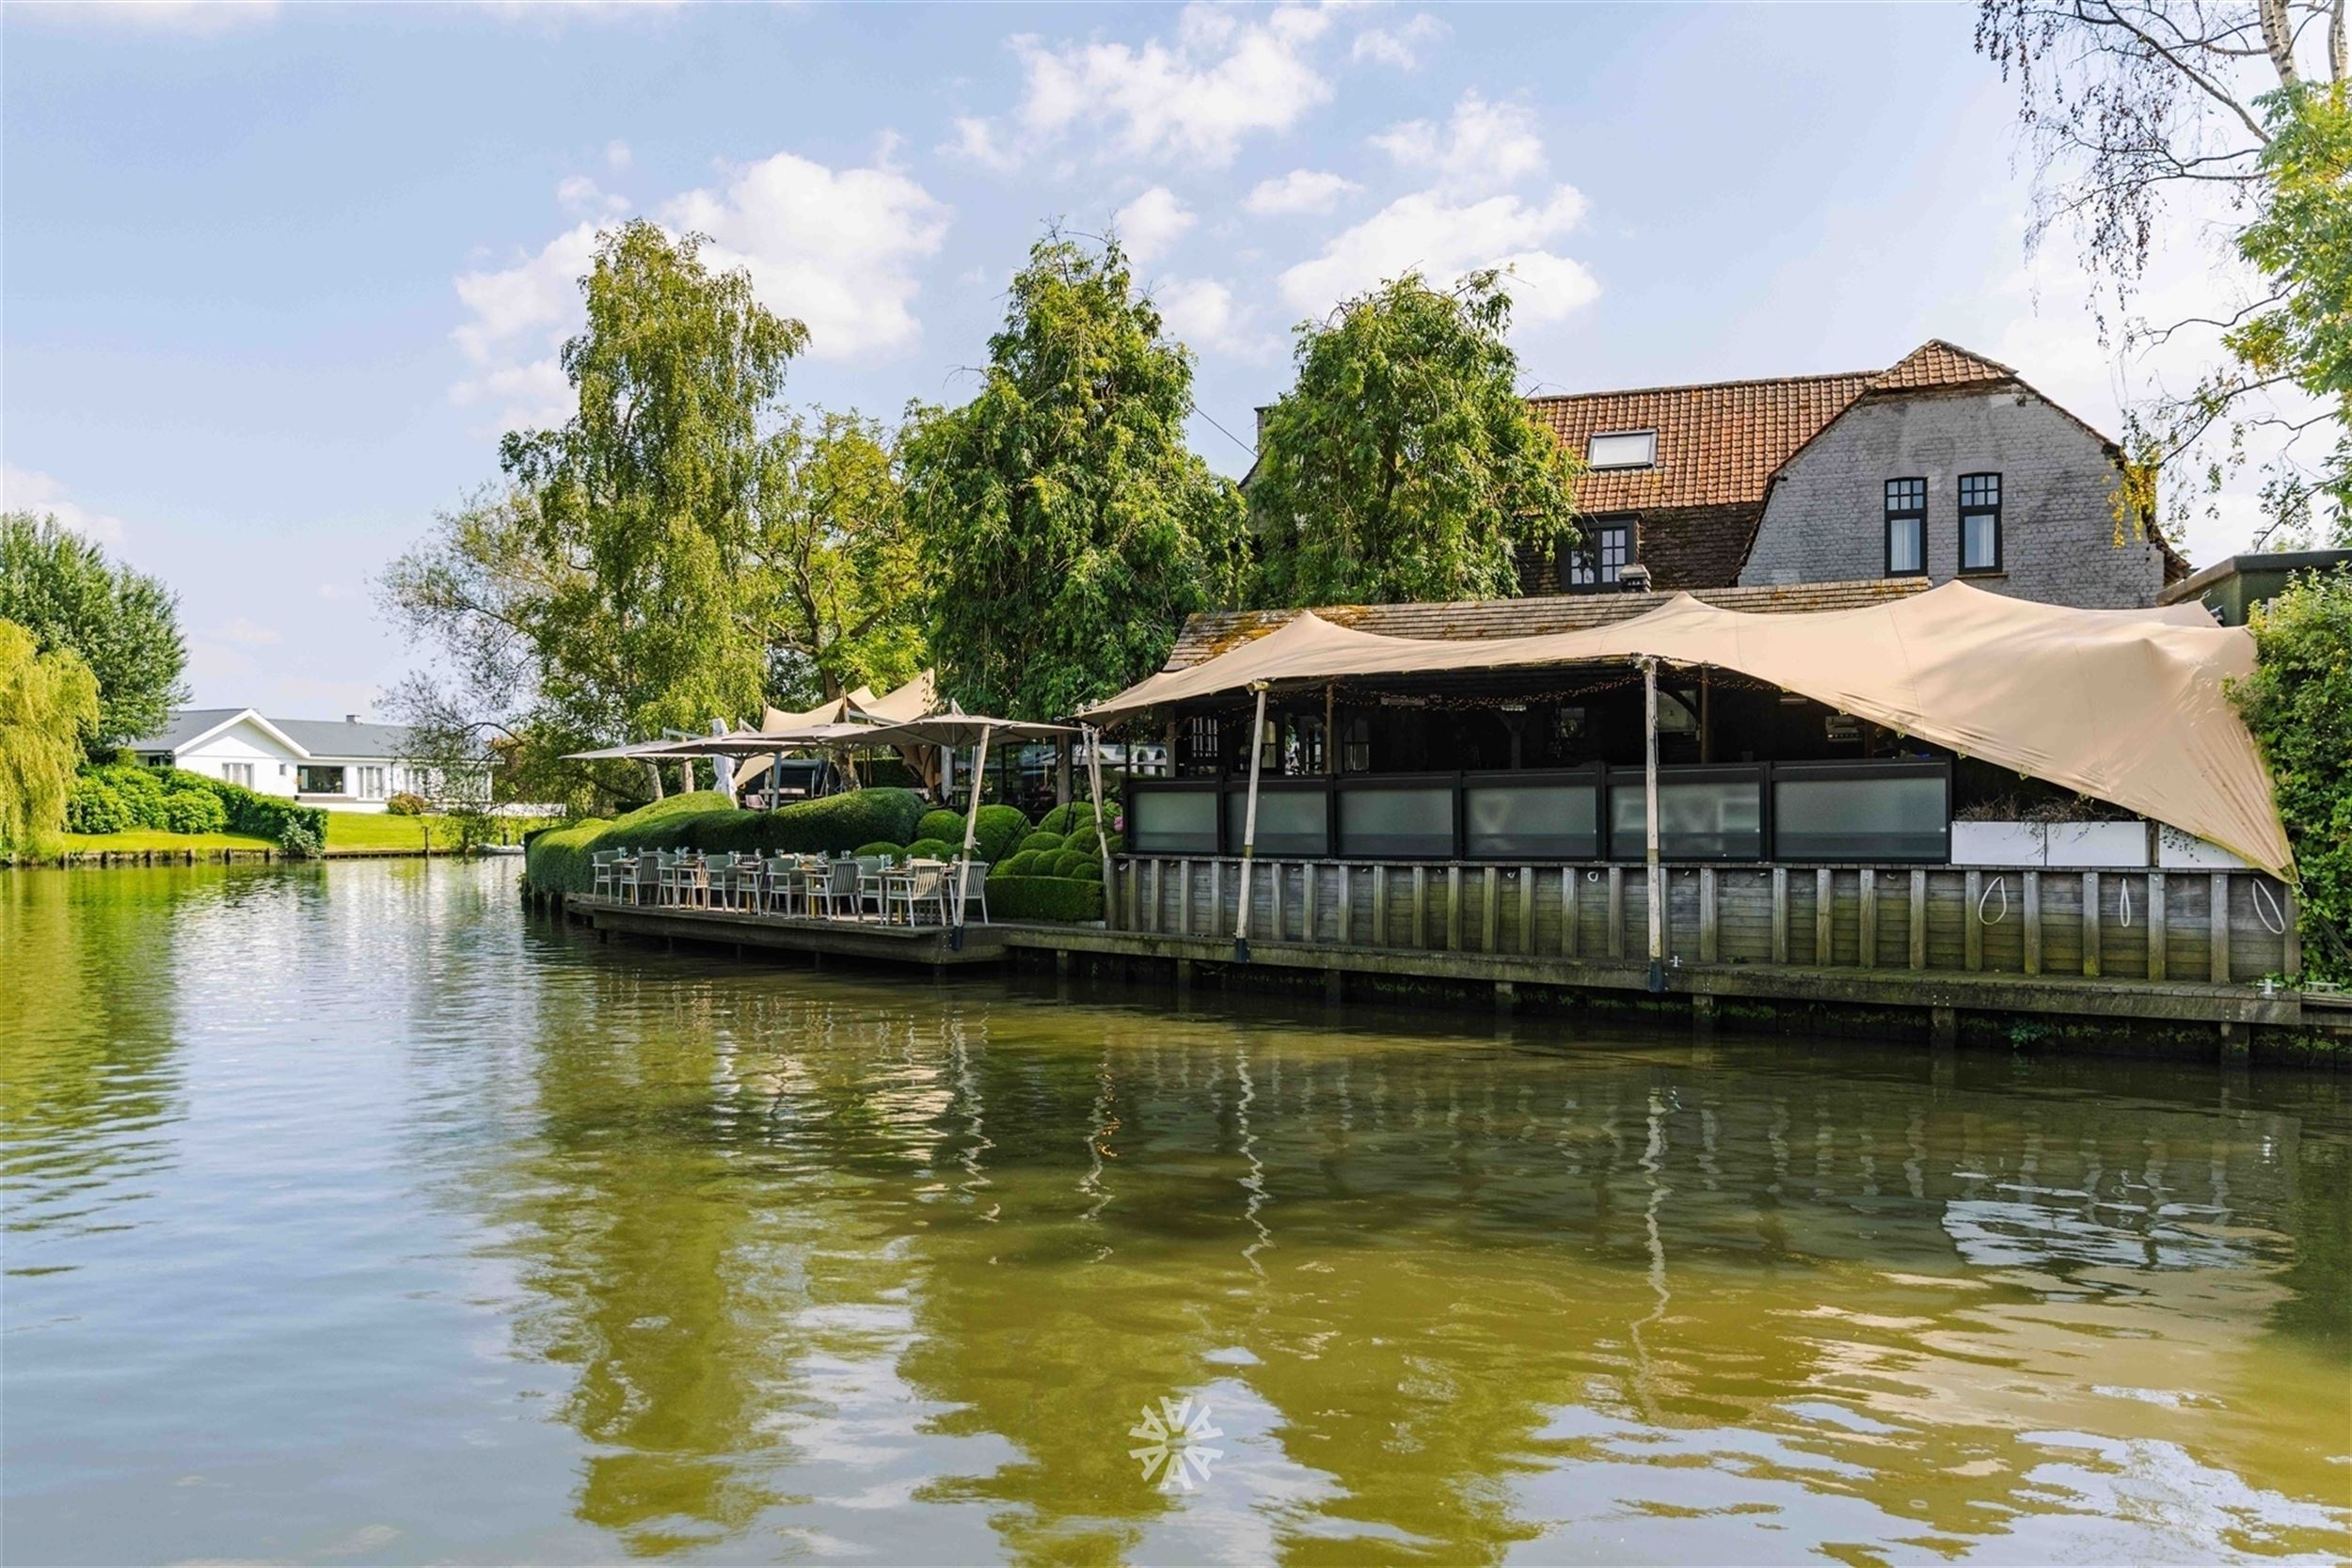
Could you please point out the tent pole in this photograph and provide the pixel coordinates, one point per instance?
(775, 777)
(1092, 740)
(971, 830)
(1657, 899)
(1249, 832)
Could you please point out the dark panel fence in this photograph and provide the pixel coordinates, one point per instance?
(1881, 812)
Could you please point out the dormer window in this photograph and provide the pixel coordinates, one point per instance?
(1622, 449)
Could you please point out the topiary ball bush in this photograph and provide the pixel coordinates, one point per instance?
(1087, 839)
(880, 847)
(1064, 899)
(944, 826)
(999, 833)
(1090, 872)
(1043, 840)
(1022, 865)
(1061, 819)
(930, 849)
(194, 811)
(1069, 862)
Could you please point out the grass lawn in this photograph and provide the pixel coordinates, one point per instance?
(368, 830)
(151, 838)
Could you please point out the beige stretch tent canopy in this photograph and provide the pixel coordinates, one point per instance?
(2124, 704)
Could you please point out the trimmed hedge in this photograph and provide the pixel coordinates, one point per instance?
(997, 832)
(557, 862)
(121, 797)
(944, 826)
(930, 849)
(1043, 840)
(195, 811)
(880, 847)
(1062, 898)
(1061, 819)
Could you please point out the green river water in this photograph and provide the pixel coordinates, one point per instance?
(352, 1216)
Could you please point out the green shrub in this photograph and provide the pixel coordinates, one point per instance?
(944, 826)
(880, 847)
(1090, 872)
(1061, 819)
(194, 811)
(1119, 844)
(558, 861)
(1022, 864)
(2298, 705)
(1062, 898)
(405, 804)
(1041, 840)
(142, 790)
(1064, 863)
(1087, 839)
(999, 833)
(96, 807)
(303, 842)
(930, 849)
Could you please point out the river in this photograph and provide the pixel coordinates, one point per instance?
(353, 1215)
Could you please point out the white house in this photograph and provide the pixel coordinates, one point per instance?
(343, 767)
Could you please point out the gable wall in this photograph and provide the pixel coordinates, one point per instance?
(1824, 521)
(244, 742)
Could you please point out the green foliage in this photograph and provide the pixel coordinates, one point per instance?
(880, 847)
(1087, 839)
(930, 849)
(124, 625)
(1024, 863)
(1043, 839)
(194, 811)
(996, 833)
(303, 842)
(1062, 898)
(2298, 705)
(405, 804)
(707, 820)
(1403, 463)
(944, 826)
(1066, 862)
(97, 807)
(49, 706)
(1062, 819)
(1066, 528)
(1089, 871)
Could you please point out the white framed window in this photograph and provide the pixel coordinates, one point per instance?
(371, 783)
(237, 773)
(1622, 449)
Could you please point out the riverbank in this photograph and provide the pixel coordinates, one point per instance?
(350, 835)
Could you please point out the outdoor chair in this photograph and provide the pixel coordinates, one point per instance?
(604, 866)
(783, 885)
(645, 884)
(840, 885)
(923, 883)
(871, 870)
(973, 876)
(719, 884)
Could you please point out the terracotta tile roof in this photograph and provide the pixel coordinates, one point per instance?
(1717, 444)
(1207, 635)
(1937, 363)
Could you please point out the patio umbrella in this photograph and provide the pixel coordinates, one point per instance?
(950, 729)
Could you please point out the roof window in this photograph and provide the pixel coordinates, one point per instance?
(1622, 449)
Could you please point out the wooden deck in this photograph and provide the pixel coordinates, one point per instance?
(849, 938)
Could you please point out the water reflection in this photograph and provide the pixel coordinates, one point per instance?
(747, 1262)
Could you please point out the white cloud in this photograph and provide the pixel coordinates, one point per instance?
(1398, 46)
(1444, 238)
(1483, 147)
(617, 155)
(161, 16)
(243, 633)
(334, 593)
(1221, 80)
(1202, 313)
(581, 194)
(837, 249)
(1302, 190)
(23, 490)
(1152, 222)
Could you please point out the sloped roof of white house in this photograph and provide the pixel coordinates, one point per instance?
(313, 737)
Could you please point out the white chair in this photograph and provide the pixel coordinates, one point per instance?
(602, 863)
(925, 882)
(840, 888)
(972, 877)
(871, 870)
(782, 885)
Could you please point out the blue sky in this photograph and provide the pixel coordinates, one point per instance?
(274, 279)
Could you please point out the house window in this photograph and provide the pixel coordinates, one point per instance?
(1906, 528)
(371, 783)
(318, 781)
(1622, 449)
(1601, 560)
(1981, 522)
(237, 773)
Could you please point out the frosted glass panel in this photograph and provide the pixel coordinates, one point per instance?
(1397, 823)
(1859, 819)
(1171, 822)
(1544, 821)
(1695, 821)
(1289, 822)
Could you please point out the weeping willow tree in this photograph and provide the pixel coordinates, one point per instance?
(48, 705)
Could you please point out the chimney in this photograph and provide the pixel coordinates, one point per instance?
(1633, 580)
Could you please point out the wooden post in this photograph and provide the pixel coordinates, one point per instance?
(1616, 911)
(1274, 874)
(1571, 940)
(1184, 897)
(1421, 908)
(1824, 924)
(1490, 921)
(1971, 927)
(1216, 896)
(1347, 903)
(2217, 930)
(2090, 923)
(1867, 943)
(2032, 901)
(1061, 772)
(1919, 920)
(1311, 888)
(1706, 914)
(1093, 739)
(1780, 914)
(1249, 839)
(1454, 908)
(1527, 909)
(2157, 920)
(1379, 905)
(1656, 884)
(2291, 940)
(1331, 729)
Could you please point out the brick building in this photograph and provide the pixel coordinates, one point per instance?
(1946, 465)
